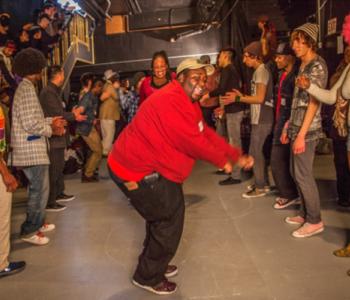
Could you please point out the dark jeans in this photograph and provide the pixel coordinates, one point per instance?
(280, 167)
(258, 139)
(342, 170)
(302, 171)
(161, 204)
(56, 167)
(38, 193)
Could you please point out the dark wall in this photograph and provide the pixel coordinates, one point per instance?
(133, 51)
(334, 9)
(21, 11)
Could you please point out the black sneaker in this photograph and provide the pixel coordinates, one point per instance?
(164, 288)
(86, 179)
(55, 207)
(13, 268)
(229, 180)
(65, 198)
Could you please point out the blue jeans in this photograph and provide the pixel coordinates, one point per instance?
(38, 194)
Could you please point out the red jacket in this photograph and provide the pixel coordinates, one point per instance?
(166, 136)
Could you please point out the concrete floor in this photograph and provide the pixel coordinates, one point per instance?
(232, 248)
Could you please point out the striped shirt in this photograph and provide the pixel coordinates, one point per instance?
(30, 128)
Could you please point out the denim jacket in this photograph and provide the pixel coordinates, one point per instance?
(89, 102)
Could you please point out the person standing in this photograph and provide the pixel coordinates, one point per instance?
(304, 129)
(280, 153)
(160, 77)
(88, 105)
(109, 113)
(229, 80)
(29, 133)
(51, 103)
(261, 112)
(152, 158)
(8, 184)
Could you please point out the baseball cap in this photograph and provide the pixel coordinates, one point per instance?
(284, 49)
(193, 64)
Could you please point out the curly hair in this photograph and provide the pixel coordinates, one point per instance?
(29, 61)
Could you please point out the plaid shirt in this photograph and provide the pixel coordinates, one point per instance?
(30, 129)
(129, 103)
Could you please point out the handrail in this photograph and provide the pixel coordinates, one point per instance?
(76, 32)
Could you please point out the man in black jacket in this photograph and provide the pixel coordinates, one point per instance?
(229, 80)
(52, 105)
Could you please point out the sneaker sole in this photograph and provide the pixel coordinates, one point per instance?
(292, 222)
(152, 290)
(55, 210)
(12, 272)
(172, 274)
(65, 200)
(308, 234)
(289, 203)
(37, 244)
(254, 196)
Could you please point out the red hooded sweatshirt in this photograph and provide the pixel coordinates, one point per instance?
(166, 136)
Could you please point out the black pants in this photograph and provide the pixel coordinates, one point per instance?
(342, 170)
(208, 116)
(56, 167)
(161, 204)
(280, 167)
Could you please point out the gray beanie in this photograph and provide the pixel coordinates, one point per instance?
(254, 48)
(310, 29)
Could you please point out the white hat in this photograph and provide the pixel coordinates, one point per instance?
(193, 64)
(109, 74)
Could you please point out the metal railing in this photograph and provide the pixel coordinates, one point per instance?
(77, 32)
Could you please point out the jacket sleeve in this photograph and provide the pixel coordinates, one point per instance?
(52, 106)
(329, 96)
(31, 117)
(189, 137)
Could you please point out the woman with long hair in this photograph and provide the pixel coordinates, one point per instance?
(161, 75)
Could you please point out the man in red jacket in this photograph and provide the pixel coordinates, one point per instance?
(154, 155)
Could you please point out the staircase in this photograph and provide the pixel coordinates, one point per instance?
(75, 45)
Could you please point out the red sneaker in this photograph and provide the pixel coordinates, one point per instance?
(163, 288)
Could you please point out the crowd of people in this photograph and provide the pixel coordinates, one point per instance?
(149, 157)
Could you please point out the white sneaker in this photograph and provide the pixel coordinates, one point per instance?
(47, 227)
(37, 239)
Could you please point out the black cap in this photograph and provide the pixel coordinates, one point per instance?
(284, 49)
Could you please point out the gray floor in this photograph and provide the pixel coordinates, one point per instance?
(232, 248)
